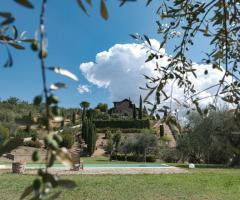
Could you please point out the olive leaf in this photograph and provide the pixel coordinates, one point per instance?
(27, 192)
(103, 9)
(64, 72)
(24, 3)
(81, 5)
(16, 46)
(54, 196)
(58, 85)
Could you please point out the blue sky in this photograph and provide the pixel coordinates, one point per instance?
(73, 39)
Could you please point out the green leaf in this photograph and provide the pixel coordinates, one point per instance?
(8, 21)
(103, 9)
(37, 100)
(64, 72)
(49, 178)
(24, 3)
(16, 46)
(15, 32)
(9, 61)
(133, 36)
(58, 85)
(6, 14)
(26, 192)
(150, 57)
(28, 40)
(148, 2)
(10, 145)
(148, 40)
(122, 2)
(81, 5)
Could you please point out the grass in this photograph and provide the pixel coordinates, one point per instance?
(199, 184)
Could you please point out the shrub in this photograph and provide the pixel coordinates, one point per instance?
(4, 134)
(133, 158)
(151, 158)
(123, 124)
(148, 131)
(32, 143)
(67, 140)
(68, 136)
(25, 134)
(108, 134)
(169, 155)
(166, 138)
(114, 130)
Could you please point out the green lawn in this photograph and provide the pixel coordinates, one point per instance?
(214, 184)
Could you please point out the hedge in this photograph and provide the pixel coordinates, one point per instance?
(114, 130)
(133, 158)
(123, 124)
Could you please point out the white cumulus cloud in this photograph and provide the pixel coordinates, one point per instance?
(83, 89)
(120, 69)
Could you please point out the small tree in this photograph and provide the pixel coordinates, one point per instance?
(4, 134)
(102, 106)
(116, 140)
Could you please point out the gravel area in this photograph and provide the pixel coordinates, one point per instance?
(169, 170)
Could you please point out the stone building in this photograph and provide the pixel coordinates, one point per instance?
(124, 107)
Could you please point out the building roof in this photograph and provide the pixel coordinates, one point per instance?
(123, 101)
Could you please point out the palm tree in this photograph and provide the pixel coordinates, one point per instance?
(84, 105)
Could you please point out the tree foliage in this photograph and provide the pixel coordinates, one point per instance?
(216, 21)
(208, 140)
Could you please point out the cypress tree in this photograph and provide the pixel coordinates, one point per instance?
(62, 122)
(83, 114)
(161, 130)
(91, 140)
(85, 130)
(140, 114)
(74, 117)
(134, 112)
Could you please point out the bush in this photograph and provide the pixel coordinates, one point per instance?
(25, 134)
(4, 134)
(32, 143)
(108, 134)
(68, 137)
(133, 158)
(123, 124)
(68, 140)
(114, 130)
(169, 155)
(151, 158)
